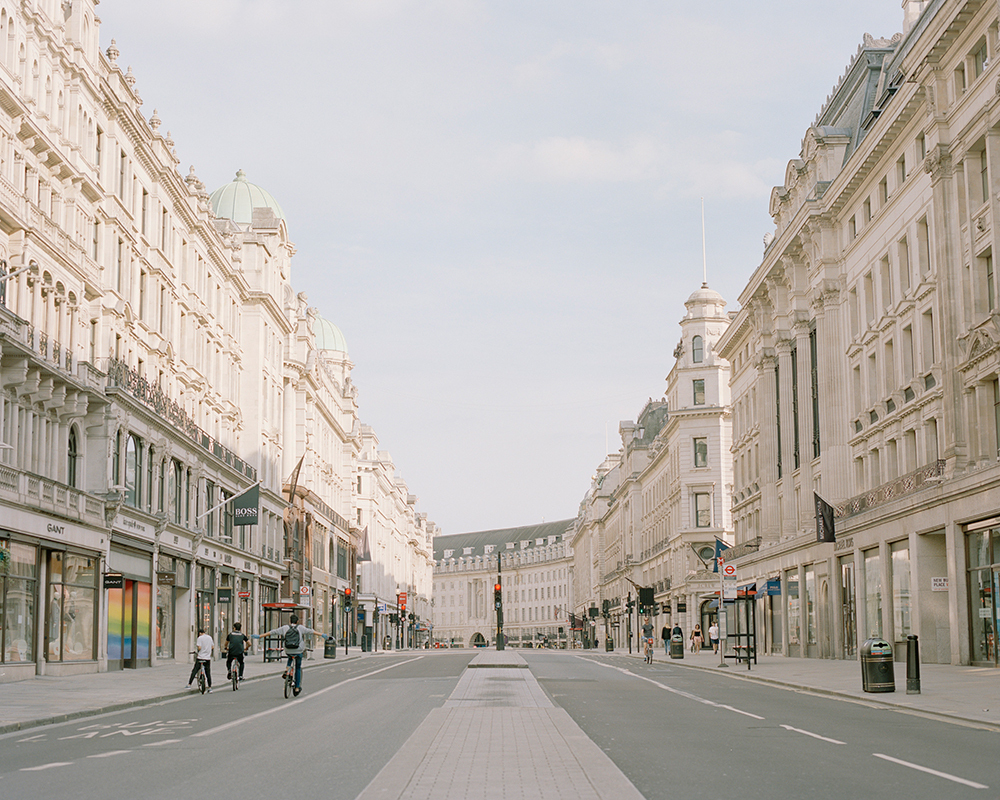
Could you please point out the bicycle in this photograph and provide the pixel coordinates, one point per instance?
(202, 680)
(234, 672)
(289, 676)
(647, 647)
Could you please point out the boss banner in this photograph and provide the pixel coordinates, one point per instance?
(245, 507)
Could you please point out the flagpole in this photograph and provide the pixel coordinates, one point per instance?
(228, 500)
(722, 642)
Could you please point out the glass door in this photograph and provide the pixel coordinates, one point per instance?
(848, 611)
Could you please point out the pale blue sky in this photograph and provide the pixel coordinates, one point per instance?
(499, 202)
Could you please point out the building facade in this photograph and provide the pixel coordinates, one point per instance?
(865, 358)
(533, 565)
(155, 362)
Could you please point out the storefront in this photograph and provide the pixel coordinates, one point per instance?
(173, 581)
(130, 608)
(205, 598)
(18, 601)
(983, 543)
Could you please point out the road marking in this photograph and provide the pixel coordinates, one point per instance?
(47, 766)
(745, 713)
(670, 689)
(165, 741)
(814, 735)
(930, 771)
(109, 753)
(32, 738)
(259, 714)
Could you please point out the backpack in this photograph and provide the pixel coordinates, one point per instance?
(293, 641)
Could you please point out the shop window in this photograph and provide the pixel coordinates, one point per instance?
(901, 596)
(873, 593)
(71, 614)
(18, 590)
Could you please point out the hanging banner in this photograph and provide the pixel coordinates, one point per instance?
(246, 507)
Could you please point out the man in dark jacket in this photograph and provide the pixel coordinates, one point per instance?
(236, 644)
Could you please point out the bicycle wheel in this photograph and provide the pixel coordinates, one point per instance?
(288, 685)
(202, 683)
(236, 676)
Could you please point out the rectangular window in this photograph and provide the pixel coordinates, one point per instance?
(984, 177)
(702, 510)
(903, 257)
(701, 452)
(72, 608)
(144, 211)
(852, 229)
(777, 413)
(122, 174)
(923, 247)
(883, 191)
(795, 407)
(927, 324)
(699, 391)
(889, 368)
(793, 608)
(869, 298)
(810, 605)
(866, 211)
(996, 416)
(95, 240)
(814, 388)
(980, 59)
(901, 170)
(921, 146)
(987, 261)
(886, 272)
(18, 593)
(873, 593)
(901, 594)
(907, 355)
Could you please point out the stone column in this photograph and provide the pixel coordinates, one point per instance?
(784, 401)
(768, 477)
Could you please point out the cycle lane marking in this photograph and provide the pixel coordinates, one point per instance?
(109, 753)
(291, 703)
(40, 767)
(672, 690)
(930, 771)
(814, 735)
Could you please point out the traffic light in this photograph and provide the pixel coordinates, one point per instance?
(497, 596)
(413, 617)
(605, 607)
(630, 605)
(347, 599)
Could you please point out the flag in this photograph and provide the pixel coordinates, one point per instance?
(824, 520)
(246, 506)
(366, 552)
(720, 548)
(294, 480)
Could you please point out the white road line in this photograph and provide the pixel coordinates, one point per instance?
(814, 735)
(32, 738)
(930, 771)
(243, 720)
(47, 766)
(165, 741)
(744, 713)
(109, 753)
(670, 689)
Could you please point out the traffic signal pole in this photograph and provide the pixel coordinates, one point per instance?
(498, 606)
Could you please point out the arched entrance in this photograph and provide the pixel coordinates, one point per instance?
(477, 640)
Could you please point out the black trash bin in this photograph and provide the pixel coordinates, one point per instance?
(609, 644)
(330, 648)
(677, 646)
(876, 666)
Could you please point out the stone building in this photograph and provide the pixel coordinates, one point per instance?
(534, 570)
(865, 358)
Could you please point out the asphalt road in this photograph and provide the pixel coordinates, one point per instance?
(675, 732)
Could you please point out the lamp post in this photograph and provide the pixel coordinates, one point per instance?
(498, 604)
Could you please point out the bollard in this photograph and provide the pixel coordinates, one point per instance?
(912, 665)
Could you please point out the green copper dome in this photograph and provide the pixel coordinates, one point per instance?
(328, 336)
(237, 200)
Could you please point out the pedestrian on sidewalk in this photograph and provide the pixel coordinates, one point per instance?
(713, 635)
(665, 635)
(206, 647)
(696, 639)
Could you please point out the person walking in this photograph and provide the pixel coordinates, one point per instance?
(665, 635)
(713, 635)
(696, 639)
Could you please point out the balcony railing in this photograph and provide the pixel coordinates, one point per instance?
(121, 376)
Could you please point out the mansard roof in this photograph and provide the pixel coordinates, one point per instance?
(478, 542)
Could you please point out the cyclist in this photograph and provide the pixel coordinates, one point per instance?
(206, 647)
(236, 644)
(293, 638)
(647, 639)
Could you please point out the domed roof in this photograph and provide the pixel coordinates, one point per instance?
(328, 336)
(705, 295)
(237, 200)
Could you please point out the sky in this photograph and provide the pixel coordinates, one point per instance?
(499, 202)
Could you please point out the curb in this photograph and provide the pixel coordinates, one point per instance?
(14, 727)
(840, 695)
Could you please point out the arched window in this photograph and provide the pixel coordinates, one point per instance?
(72, 454)
(697, 350)
(133, 471)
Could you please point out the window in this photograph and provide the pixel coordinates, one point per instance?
(852, 229)
(866, 211)
(814, 389)
(701, 452)
(72, 608)
(873, 593)
(903, 257)
(72, 454)
(987, 261)
(984, 177)
(18, 590)
(980, 59)
(921, 146)
(702, 510)
(901, 594)
(697, 350)
(133, 471)
(795, 407)
(901, 170)
(699, 391)
(883, 191)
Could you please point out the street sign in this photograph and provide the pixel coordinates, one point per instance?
(244, 595)
(304, 591)
(729, 572)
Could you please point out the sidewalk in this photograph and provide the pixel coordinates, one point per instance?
(970, 694)
(44, 700)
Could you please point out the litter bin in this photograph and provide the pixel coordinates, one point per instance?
(677, 646)
(609, 644)
(876, 666)
(330, 648)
